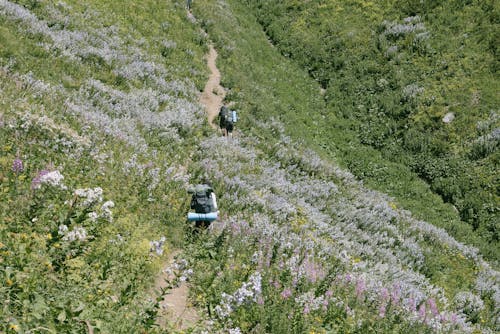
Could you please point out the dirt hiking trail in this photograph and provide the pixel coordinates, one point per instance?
(213, 93)
(175, 310)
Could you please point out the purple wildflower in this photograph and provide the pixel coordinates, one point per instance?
(325, 304)
(287, 293)
(360, 288)
(17, 166)
(37, 181)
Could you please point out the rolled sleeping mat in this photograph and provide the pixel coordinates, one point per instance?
(211, 216)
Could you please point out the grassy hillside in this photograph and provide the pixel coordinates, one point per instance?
(98, 118)
(308, 239)
(395, 72)
(101, 135)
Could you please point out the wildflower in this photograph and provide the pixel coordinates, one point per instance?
(36, 182)
(360, 288)
(77, 234)
(422, 311)
(157, 246)
(93, 216)
(17, 166)
(433, 307)
(106, 210)
(381, 310)
(91, 196)
(62, 229)
(287, 293)
(53, 179)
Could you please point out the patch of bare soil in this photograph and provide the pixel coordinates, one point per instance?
(213, 93)
(175, 309)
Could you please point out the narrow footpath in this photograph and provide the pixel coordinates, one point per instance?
(214, 93)
(175, 309)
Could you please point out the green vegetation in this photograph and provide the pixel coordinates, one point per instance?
(101, 134)
(392, 71)
(76, 252)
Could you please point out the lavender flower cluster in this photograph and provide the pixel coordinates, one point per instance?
(325, 212)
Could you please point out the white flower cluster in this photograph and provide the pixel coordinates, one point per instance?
(410, 25)
(339, 217)
(157, 245)
(90, 196)
(106, 210)
(249, 291)
(468, 303)
(77, 234)
(53, 179)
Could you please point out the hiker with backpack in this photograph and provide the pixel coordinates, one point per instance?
(227, 118)
(204, 204)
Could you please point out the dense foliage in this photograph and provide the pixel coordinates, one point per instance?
(418, 81)
(101, 134)
(92, 159)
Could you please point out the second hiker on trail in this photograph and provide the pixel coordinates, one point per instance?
(227, 118)
(204, 203)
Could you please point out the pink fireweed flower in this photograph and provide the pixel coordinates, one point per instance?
(432, 306)
(360, 288)
(412, 304)
(395, 293)
(422, 311)
(17, 166)
(381, 310)
(384, 294)
(287, 293)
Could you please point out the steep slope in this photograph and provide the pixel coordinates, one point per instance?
(99, 115)
(96, 143)
(416, 81)
(305, 246)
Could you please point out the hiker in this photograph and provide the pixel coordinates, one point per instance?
(204, 203)
(223, 116)
(231, 119)
(188, 5)
(227, 118)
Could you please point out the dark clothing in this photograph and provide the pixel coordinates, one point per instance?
(229, 127)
